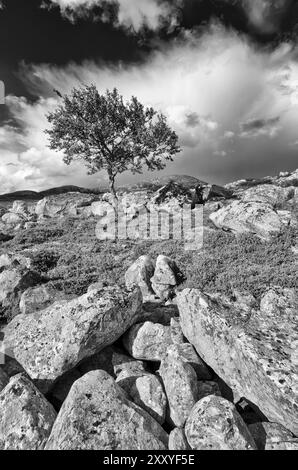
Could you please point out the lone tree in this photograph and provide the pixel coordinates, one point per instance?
(108, 134)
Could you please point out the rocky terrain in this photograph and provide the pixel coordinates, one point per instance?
(140, 344)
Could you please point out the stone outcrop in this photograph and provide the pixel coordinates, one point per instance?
(252, 217)
(252, 350)
(98, 416)
(164, 280)
(215, 424)
(26, 417)
(50, 342)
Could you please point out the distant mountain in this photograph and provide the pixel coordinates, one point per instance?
(152, 184)
(36, 196)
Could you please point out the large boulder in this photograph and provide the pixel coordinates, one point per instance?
(13, 281)
(272, 436)
(50, 342)
(26, 417)
(181, 385)
(147, 341)
(252, 350)
(98, 416)
(215, 424)
(251, 217)
(139, 274)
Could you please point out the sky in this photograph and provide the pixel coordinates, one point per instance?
(224, 72)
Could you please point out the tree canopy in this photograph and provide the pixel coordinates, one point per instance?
(109, 134)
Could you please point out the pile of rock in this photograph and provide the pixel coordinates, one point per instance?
(111, 370)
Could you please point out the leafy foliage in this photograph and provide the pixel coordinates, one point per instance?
(109, 134)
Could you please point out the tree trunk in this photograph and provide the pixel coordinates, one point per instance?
(112, 189)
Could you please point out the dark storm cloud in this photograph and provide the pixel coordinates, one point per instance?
(257, 127)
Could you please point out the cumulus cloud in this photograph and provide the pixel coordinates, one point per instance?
(127, 13)
(206, 85)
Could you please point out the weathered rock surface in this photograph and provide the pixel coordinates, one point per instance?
(39, 298)
(181, 385)
(147, 341)
(251, 217)
(4, 379)
(26, 418)
(215, 424)
(50, 342)
(267, 194)
(177, 440)
(176, 331)
(188, 354)
(139, 274)
(147, 392)
(98, 416)
(272, 436)
(13, 281)
(164, 279)
(253, 351)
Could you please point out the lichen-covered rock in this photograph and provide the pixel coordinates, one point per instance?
(50, 342)
(177, 440)
(139, 274)
(272, 436)
(13, 281)
(26, 417)
(181, 385)
(15, 260)
(4, 379)
(251, 217)
(38, 298)
(147, 341)
(252, 350)
(164, 280)
(215, 424)
(98, 416)
(147, 392)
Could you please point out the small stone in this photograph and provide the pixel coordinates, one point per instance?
(147, 341)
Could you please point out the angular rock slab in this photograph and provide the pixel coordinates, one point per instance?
(139, 274)
(50, 342)
(254, 352)
(181, 385)
(39, 298)
(147, 341)
(98, 416)
(215, 424)
(148, 393)
(26, 417)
